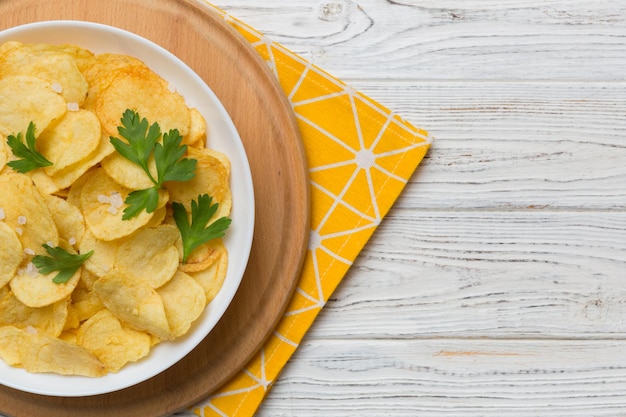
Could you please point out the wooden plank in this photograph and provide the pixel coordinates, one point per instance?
(514, 145)
(454, 39)
(533, 274)
(468, 378)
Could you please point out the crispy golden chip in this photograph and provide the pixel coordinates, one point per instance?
(87, 279)
(72, 321)
(197, 130)
(113, 343)
(50, 319)
(211, 178)
(212, 278)
(44, 183)
(222, 157)
(11, 339)
(151, 254)
(67, 176)
(128, 174)
(203, 256)
(69, 140)
(3, 151)
(11, 254)
(26, 212)
(68, 219)
(140, 89)
(82, 57)
(38, 290)
(39, 352)
(74, 191)
(25, 99)
(184, 301)
(55, 67)
(86, 302)
(103, 258)
(134, 302)
(7, 46)
(101, 72)
(103, 215)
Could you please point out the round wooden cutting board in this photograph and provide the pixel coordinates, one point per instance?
(264, 119)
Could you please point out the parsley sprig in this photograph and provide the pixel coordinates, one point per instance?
(59, 260)
(28, 157)
(143, 142)
(197, 233)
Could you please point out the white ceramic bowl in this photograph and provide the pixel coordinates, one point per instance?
(223, 137)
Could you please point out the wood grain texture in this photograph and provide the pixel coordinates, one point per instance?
(453, 377)
(266, 124)
(450, 39)
(495, 286)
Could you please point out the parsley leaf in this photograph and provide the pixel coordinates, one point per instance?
(59, 260)
(30, 159)
(143, 142)
(197, 233)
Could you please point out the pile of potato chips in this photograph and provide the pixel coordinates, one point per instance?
(133, 292)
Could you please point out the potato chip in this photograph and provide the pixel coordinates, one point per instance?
(38, 290)
(68, 219)
(203, 256)
(86, 303)
(11, 253)
(55, 67)
(140, 89)
(151, 254)
(43, 182)
(103, 216)
(26, 212)
(184, 301)
(211, 178)
(7, 46)
(25, 99)
(197, 130)
(103, 258)
(82, 57)
(69, 139)
(3, 151)
(113, 343)
(11, 340)
(87, 279)
(128, 174)
(100, 72)
(72, 321)
(70, 174)
(39, 352)
(212, 278)
(134, 302)
(50, 319)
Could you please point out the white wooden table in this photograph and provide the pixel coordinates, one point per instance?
(497, 284)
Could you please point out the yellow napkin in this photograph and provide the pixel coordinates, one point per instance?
(360, 156)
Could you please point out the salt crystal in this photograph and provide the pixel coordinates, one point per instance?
(102, 199)
(112, 210)
(56, 87)
(73, 106)
(116, 200)
(21, 220)
(19, 231)
(31, 330)
(29, 251)
(72, 241)
(2, 214)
